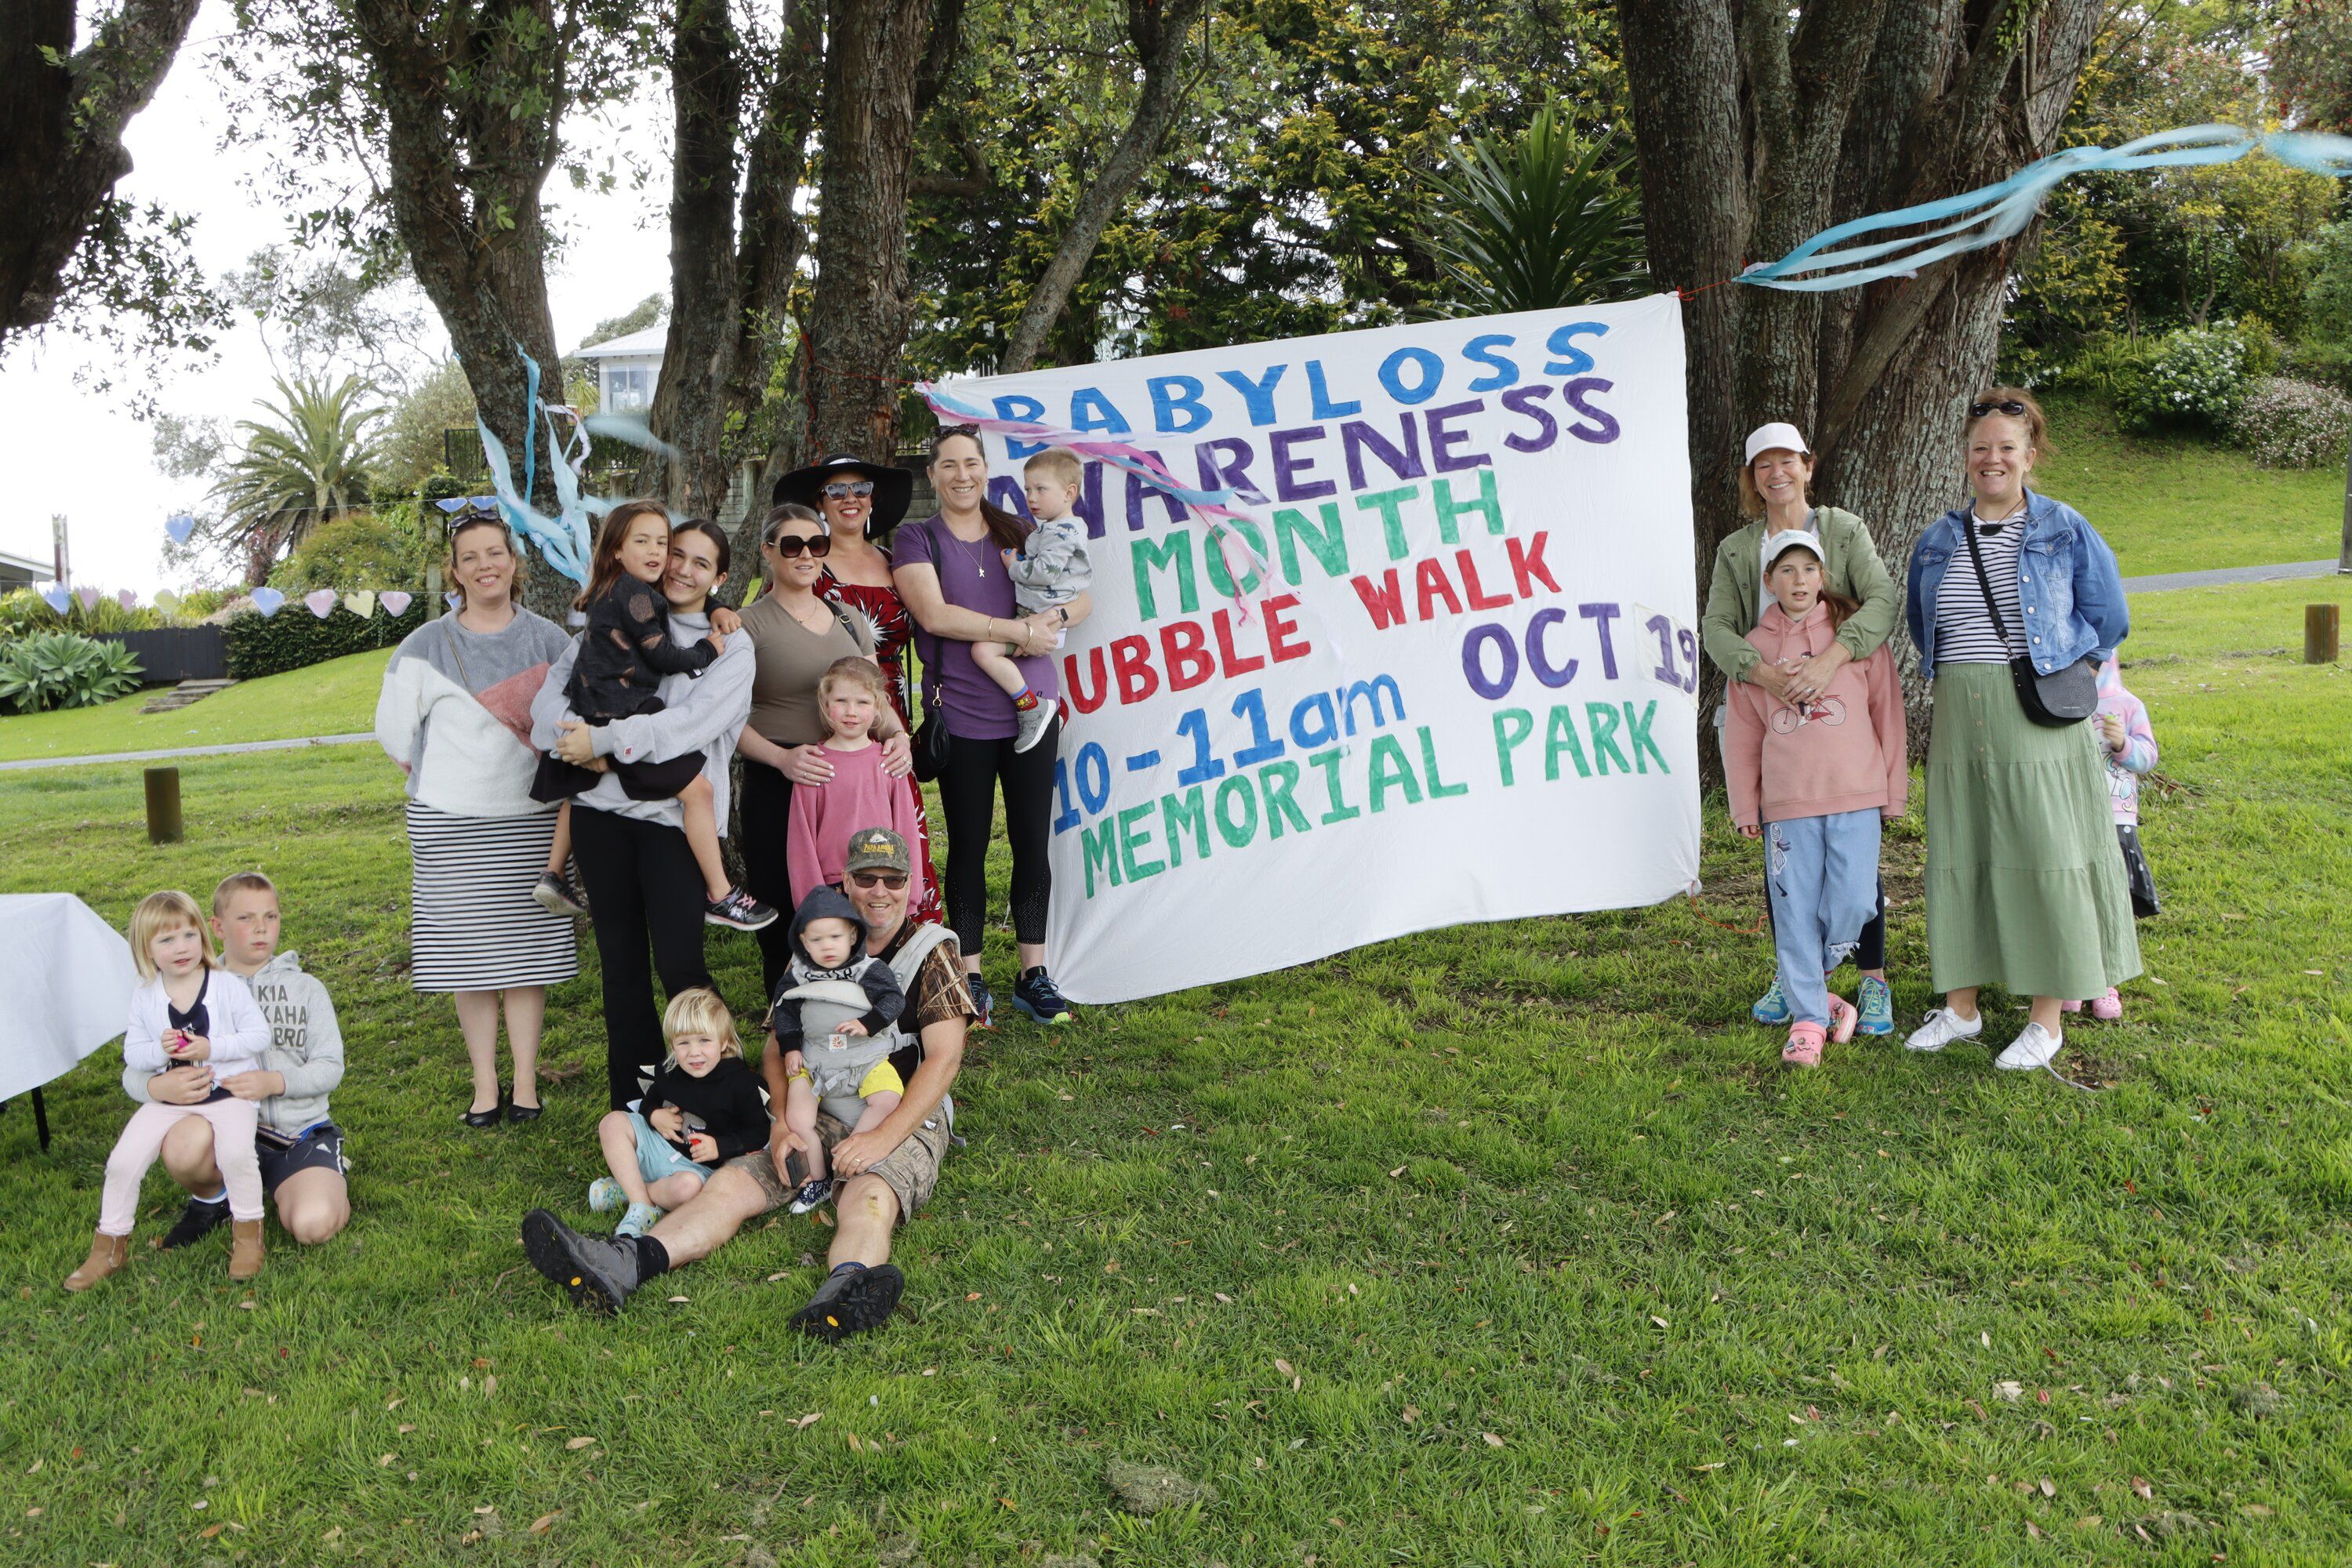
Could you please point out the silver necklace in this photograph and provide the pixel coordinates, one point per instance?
(972, 553)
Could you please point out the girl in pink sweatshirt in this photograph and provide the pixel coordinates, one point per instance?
(1813, 780)
(2127, 741)
(858, 796)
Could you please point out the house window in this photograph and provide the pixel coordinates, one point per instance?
(628, 391)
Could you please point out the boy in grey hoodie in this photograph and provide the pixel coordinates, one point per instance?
(301, 1149)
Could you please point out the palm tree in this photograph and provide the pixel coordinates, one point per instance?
(305, 461)
(1537, 222)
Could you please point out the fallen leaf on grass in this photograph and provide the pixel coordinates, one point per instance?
(1492, 1441)
(1411, 1413)
(810, 1419)
(2009, 1391)
(1220, 1296)
(581, 1443)
(678, 1301)
(1284, 1367)
(2141, 1489)
(2048, 1487)
(1701, 1470)
(545, 1522)
(1395, 1174)
(470, 1537)
(210, 1530)
(1660, 1322)
(2032, 1530)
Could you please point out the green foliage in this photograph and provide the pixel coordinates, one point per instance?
(22, 611)
(412, 450)
(2195, 376)
(2311, 62)
(306, 462)
(2074, 288)
(637, 318)
(294, 638)
(1536, 222)
(2288, 423)
(59, 670)
(384, 547)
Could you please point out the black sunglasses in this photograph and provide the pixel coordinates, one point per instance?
(894, 881)
(843, 490)
(2008, 405)
(791, 544)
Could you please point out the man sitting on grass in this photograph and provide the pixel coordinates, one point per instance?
(888, 1172)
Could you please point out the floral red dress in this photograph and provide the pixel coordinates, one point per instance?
(894, 628)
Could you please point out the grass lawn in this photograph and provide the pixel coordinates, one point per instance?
(337, 698)
(2175, 504)
(1498, 1245)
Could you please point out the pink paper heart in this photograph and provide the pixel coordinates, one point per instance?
(88, 597)
(395, 602)
(127, 599)
(321, 601)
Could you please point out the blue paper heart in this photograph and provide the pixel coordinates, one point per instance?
(179, 525)
(268, 600)
(451, 503)
(456, 599)
(59, 598)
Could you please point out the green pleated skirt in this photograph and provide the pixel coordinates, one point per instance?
(2026, 887)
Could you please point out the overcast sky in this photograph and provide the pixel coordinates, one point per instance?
(80, 453)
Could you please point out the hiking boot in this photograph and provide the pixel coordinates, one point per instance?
(1772, 1007)
(107, 1254)
(1877, 1006)
(1037, 995)
(1941, 1027)
(597, 1272)
(983, 1004)
(851, 1302)
(197, 1220)
(1804, 1046)
(815, 1193)
(557, 895)
(740, 910)
(1034, 721)
(246, 1250)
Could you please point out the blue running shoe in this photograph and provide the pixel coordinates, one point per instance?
(1877, 1006)
(1771, 1008)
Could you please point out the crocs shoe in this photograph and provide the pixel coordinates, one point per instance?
(1804, 1046)
(2110, 1007)
(1877, 1006)
(604, 1195)
(1843, 1018)
(1771, 1008)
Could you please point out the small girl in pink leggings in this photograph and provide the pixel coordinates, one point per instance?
(185, 1012)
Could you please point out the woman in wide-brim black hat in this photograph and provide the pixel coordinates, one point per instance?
(831, 488)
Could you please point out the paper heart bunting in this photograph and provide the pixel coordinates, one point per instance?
(126, 598)
(268, 600)
(168, 602)
(59, 598)
(179, 525)
(361, 604)
(88, 597)
(321, 601)
(453, 598)
(395, 602)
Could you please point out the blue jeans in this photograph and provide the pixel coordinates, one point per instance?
(657, 1157)
(1822, 873)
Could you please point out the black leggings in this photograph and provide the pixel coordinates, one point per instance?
(767, 812)
(643, 883)
(1870, 952)
(968, 797)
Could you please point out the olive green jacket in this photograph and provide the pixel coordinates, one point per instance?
(1735, 597)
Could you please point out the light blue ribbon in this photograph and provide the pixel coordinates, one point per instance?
(1983, 217)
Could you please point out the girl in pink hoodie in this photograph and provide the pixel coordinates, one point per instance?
(2128, 742)
(1813, 780)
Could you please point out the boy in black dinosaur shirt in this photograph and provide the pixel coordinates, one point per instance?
(701, 1110)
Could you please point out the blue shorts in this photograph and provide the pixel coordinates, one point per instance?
(319, 1148)
(657, 1156)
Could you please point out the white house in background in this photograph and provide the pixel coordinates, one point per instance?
(627, 369)
(22, 571)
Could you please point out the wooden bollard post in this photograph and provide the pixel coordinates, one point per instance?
(164, 805)
(2321, 626)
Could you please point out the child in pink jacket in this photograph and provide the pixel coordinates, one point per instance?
(858, 796)
(2128, 742)
(1813, 780)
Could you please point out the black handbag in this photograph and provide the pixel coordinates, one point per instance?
(2063, 697)
(930, 744)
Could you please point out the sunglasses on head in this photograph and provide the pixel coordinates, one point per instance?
(844, 489)
(2008, 405)
(894, 881)
(791, 544)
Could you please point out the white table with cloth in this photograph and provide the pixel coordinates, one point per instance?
(64, 990)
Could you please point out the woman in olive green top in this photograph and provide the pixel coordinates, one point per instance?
(1772, 482)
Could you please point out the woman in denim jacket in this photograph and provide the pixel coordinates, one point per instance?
(2024, 888)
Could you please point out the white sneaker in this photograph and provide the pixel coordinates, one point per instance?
(2035, 1047)
(1034, 723)
(1942, 1027)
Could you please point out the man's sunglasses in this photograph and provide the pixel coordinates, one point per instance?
(894, 881)
(2008, 405)
(791, 544)
(843, 490)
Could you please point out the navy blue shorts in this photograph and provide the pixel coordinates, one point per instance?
(319, 1148)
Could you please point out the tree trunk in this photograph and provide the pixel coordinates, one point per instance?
(62, 115)
(464, 184)
(884, 61)
(1753, 134)
(1160, 38)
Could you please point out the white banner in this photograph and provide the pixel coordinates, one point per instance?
(1449, 674)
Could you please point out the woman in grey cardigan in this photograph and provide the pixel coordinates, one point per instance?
(455, 715)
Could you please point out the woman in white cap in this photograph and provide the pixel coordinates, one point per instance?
(1774, 476)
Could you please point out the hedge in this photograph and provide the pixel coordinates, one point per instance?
(268, 645)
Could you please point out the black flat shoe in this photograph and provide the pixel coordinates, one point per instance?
(523, 1112)
(491, 1116)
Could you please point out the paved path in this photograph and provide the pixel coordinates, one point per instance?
(2228, 574)
(186, 752)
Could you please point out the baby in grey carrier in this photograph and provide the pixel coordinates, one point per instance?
(835, 1019)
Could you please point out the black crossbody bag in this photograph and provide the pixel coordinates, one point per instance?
(930, 739)
(2063, 697)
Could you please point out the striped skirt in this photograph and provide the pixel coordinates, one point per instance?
(475, 926)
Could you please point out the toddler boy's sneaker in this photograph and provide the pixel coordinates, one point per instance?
(557, 895)
(2110, 1007)
(1877, 1006)
(604, 1195)
(1034, 721)
(1804, 1046)
(1037, 995)
(984, 1003)
(641, 1218)
(815, 1193)
(1772, 1007)
(738, 909)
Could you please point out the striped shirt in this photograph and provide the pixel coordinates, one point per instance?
(1963, 634)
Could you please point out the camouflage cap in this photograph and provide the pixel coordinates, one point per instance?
(879, 849)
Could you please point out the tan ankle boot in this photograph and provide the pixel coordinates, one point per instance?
(245, 1250)
(107, 1254)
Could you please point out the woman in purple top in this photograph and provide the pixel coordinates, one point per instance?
(950, 571)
